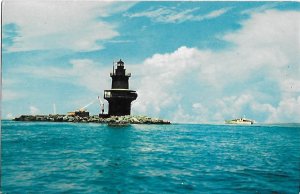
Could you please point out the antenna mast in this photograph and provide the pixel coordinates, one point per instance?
(113, 68)
(54, 108)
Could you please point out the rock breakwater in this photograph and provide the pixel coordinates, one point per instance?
(93, 119)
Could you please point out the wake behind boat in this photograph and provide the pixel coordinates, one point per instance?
(241, 121)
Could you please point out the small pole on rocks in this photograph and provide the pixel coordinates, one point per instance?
(54, 108)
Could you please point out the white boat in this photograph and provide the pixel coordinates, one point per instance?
(241, 121)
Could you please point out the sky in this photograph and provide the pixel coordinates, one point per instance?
(191, 62)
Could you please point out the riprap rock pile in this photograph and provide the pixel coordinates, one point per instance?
(93, 119)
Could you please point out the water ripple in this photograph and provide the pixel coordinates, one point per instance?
(93, 158)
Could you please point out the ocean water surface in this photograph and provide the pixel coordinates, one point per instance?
(41, 157)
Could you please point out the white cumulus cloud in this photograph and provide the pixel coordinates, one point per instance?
(259, 74)
(75, 25)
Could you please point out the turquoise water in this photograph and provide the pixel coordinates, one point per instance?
(93, 158)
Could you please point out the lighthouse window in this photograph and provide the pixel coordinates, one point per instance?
(107, 94)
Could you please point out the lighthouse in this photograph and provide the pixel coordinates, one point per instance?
(119, 97)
